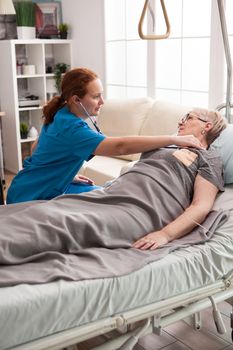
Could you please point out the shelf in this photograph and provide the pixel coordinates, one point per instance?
(25, 76)
(30, 108)
(29, 139)
(41, 54)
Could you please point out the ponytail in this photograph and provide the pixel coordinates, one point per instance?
(51, 108)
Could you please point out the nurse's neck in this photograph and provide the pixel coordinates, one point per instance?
(76, 110)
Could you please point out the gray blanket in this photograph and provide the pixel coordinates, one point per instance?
(41, 249)
(88, 236)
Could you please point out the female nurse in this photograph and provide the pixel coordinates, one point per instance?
(66, 141)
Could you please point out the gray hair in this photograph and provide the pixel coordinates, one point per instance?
(218, 121)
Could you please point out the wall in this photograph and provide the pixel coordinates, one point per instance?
(86, 19)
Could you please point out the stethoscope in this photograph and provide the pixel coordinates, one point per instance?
(89, 117)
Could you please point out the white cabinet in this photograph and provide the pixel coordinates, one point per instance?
(26, 83)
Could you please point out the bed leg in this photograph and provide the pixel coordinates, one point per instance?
(132, 341)
(194, 321)
(197, 321)
(156, 324)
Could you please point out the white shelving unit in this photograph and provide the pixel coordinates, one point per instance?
(43, 55)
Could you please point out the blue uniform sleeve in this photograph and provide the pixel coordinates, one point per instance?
(81, 139)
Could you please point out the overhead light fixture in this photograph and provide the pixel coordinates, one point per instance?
(7, 7)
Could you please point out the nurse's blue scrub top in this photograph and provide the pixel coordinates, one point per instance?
(62, 148)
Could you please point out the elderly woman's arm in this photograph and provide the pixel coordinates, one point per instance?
(203, 200)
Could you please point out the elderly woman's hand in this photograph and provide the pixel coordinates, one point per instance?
(152, 240)
(187, 141)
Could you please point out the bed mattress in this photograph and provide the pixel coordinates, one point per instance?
(29, 312)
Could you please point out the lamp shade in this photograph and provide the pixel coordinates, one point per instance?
(7, 7)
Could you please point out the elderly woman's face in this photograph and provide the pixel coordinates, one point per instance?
(191, 124)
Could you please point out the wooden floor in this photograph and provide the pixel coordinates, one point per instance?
(178, 336)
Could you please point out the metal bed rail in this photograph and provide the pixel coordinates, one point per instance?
(180, 306)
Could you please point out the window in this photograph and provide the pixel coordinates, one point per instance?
(187, 68)
(126, 53)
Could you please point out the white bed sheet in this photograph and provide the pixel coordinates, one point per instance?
(28, 312)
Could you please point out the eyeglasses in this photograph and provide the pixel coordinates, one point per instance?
(189, 116)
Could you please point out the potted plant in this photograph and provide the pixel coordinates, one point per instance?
(59, 69)
(63, 30)
(23, 130)
(25, 19)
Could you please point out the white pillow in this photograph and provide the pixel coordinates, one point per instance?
(163, 117)
(124, 117)
(224, 146)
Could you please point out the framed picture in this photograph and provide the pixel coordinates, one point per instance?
(8, 27)
(48, 18)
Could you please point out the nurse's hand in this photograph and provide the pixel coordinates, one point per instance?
(83, 179)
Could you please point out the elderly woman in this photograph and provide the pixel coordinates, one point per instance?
(162, 197)
(192, 172)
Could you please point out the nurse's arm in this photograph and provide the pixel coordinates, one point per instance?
(116, 146)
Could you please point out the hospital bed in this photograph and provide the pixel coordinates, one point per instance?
(58, 314)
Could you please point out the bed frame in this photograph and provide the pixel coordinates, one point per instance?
(134, 321)
(155, 316)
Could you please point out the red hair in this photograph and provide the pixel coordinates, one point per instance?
(74, 82)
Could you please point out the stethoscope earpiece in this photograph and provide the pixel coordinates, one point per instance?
(88, 116)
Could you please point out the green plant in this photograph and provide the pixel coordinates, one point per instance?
(25, 13)
(23, 130)
(59, 69)
(63, 27)
(63, 30)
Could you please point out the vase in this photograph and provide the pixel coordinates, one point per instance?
(23, 135)
(33, 133)
(26, 32)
